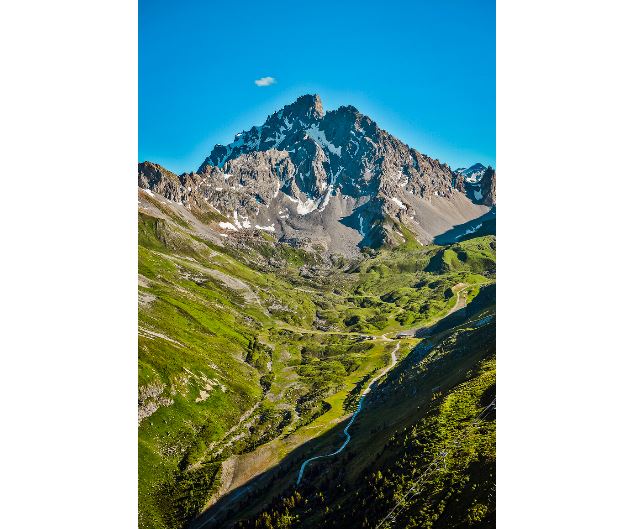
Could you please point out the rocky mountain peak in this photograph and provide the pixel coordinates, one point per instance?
(308, 106)
(335, 176)
(472, 174)
(479, 183)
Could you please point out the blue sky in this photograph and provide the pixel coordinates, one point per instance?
(424, 70)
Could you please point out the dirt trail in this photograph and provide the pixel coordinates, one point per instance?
(235, 478)
(461, 303)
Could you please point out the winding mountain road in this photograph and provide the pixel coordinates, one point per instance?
(460, 303)
(393, 357)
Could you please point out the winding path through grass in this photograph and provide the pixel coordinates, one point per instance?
(354, 416)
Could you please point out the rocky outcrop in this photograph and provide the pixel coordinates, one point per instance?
(478, 183)
(488, 186)
(151, 398)
(472, 174)
(160, 180)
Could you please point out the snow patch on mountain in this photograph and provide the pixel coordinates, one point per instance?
(318, 136)
(361, 225)
(243, 222)
(398, 202)
(472, 174)
(304, 208)
(469, 231)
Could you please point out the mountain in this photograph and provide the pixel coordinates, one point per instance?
(472, 174)
(269, 334)
(333, 180)
(479, 183)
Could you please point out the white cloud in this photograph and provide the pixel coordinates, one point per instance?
(265, 81)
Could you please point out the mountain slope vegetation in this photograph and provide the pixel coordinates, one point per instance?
(437, 469)
(244, 344)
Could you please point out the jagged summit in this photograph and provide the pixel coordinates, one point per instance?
(338, 150)
(334, 178)
(309, 105)
(474, 170)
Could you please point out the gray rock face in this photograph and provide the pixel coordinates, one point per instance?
(472, 174)
(158, 179)
(340, 150)
(334, 178)
(479, 183)
(488, 186)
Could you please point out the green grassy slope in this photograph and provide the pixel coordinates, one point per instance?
(426, 454)
(408, 288)
(248, 343)
(197, 362)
